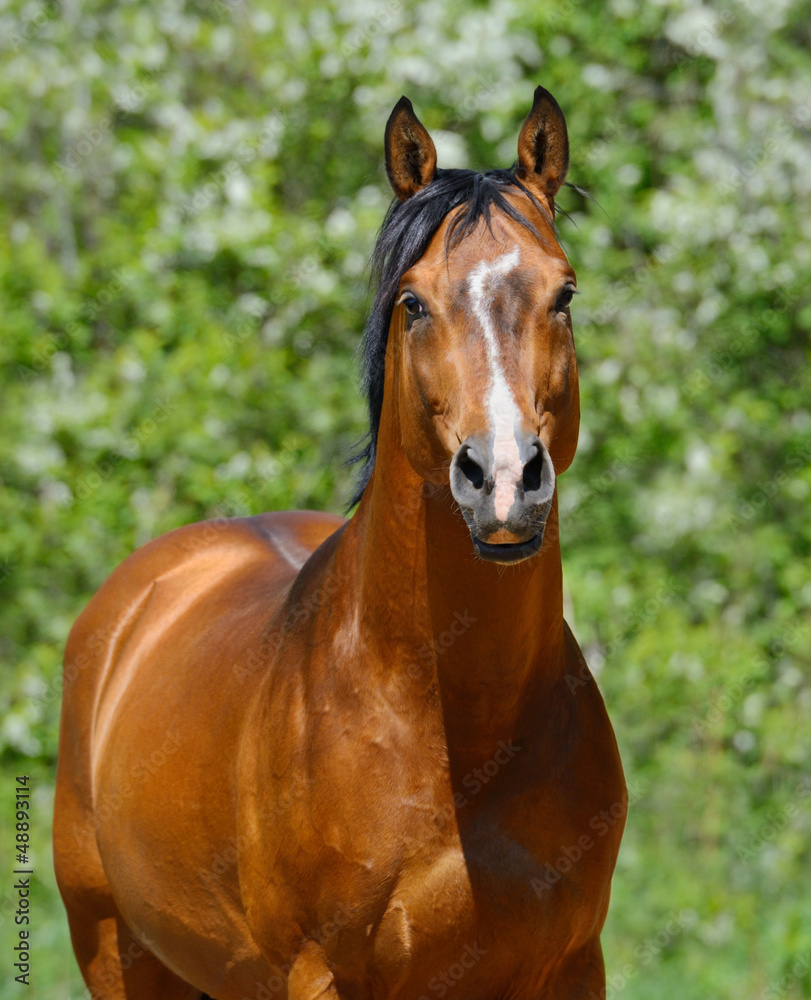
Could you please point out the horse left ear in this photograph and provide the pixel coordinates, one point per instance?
(543, 148)
(410, 151)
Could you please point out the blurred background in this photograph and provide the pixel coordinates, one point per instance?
(189, 193)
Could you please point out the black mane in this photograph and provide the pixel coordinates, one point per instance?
(407, 230)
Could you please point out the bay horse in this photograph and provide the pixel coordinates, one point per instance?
(308, 758)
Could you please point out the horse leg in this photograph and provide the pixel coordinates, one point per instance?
(119, 966)
(115, 964)
(582, 975)
(310, 976)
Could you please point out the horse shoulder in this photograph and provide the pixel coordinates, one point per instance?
(203, 553)
(181, 584)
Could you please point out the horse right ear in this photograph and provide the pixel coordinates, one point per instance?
(543, 148)
(410, 151)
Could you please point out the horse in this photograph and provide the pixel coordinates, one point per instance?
(314, 758)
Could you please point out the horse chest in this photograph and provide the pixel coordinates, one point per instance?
(482, 910)
(499, 875)
(510, 884)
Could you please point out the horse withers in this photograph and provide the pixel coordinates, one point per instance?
(302, 757)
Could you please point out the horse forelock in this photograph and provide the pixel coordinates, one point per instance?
(404, 237)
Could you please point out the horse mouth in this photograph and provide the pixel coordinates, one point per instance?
(508, 552)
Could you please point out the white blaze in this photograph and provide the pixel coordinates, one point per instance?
(504, 416)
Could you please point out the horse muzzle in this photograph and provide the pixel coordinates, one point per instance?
(505, 500)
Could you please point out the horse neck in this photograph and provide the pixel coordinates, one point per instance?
(487, 636)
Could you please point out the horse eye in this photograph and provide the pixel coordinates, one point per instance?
(564, 299)
(413, 306)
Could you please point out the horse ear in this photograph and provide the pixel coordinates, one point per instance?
(410, 151)
(543, 148)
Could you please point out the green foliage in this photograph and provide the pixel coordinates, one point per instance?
(190, 194)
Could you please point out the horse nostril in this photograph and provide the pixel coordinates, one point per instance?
(533, 471)
(471, 470)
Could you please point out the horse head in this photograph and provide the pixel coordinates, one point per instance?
(473, 327)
